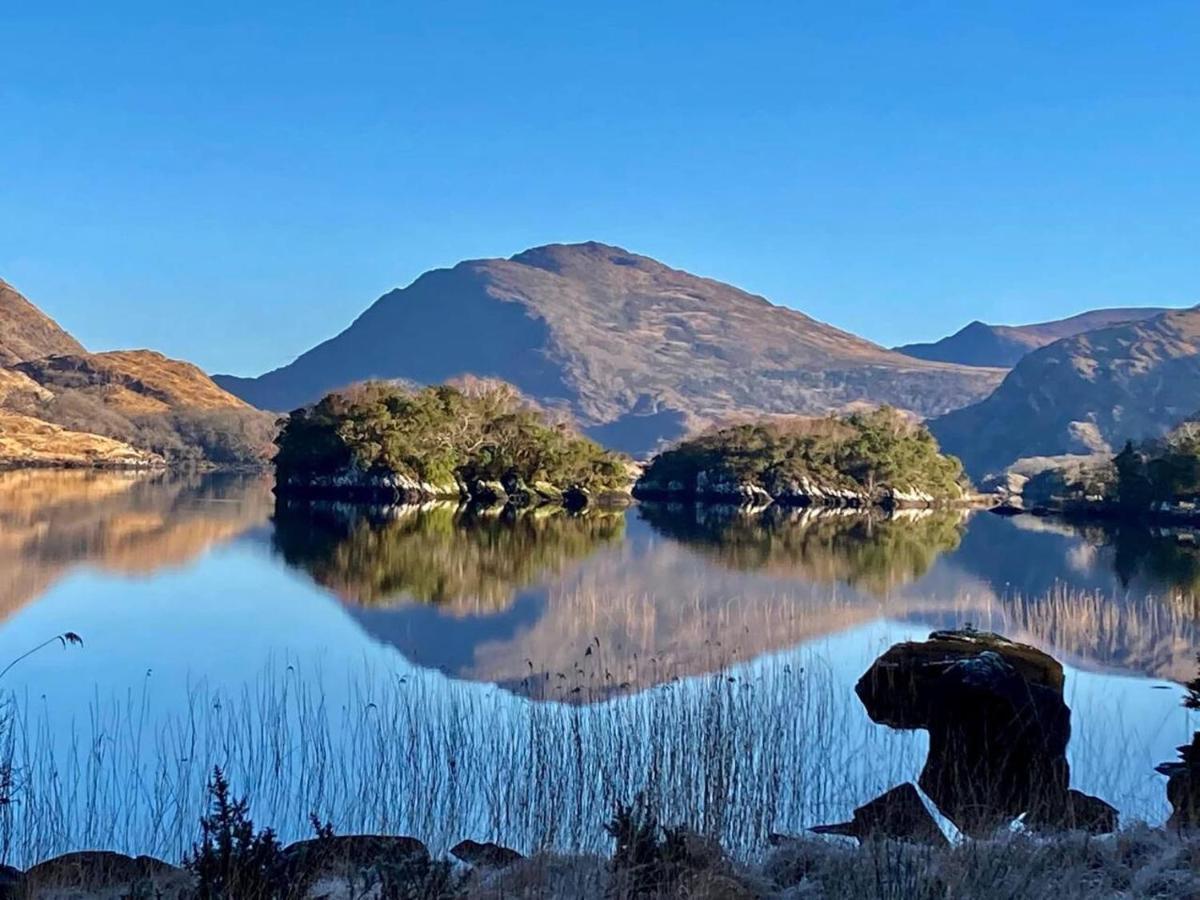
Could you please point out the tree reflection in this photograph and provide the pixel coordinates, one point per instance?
(437, 553)
(869, 551)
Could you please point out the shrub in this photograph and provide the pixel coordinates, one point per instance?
(233, 860)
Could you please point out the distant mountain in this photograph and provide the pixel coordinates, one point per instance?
(28, 333)
(636, 351)
(61, 405)
(1083, 394)
(979, 344)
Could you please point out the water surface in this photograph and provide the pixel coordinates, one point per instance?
(450, 673)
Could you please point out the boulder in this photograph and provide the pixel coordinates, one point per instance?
(998, 729)
(12, 883)
(489, 493)
(1183, 786)
(900, 813)
(485, 856)
(104, 874)
(351, 854)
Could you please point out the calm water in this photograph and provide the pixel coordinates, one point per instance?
(450, 675)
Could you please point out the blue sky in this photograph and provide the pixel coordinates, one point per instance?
(231, 186)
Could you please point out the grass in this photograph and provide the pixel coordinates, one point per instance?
(736, 755)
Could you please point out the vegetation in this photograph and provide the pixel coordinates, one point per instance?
(866, 452)
(441, 554)
(1141, 477)
(868, 551)
(472, 432)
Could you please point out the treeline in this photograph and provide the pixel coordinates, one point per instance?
(1143, 476)
(864, 453)
(442, 436)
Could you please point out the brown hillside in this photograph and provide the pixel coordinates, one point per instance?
(28, 333)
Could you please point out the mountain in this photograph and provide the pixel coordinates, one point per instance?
(64, 406)
(638, 352)
(28, 333)
(1084, 394)
(979, 344)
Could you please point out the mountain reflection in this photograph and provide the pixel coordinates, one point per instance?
(464, 559)
(872, 552)
(134, 523)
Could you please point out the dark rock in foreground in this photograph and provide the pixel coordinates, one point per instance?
(1183, 786)
(998, 730)
(97, 871)
(899, 814)
(485, 856)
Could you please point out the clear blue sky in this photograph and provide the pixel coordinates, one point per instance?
(232, 186)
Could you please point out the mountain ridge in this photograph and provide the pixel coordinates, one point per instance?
(1083, 394)
(980, 344)
(635, 350)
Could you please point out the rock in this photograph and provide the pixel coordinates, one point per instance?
(998, 728)
(103, 874)
(1183, 786)
(358, 850)
(547, 492)
(900, 813)
(12, 883)
(485, 856)
(352, 854)
(576, 498)
(489, 493)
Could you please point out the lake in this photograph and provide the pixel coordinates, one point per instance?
(449, 674)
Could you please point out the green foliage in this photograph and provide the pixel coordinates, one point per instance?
(867, 451)
(483, 431)
(441, 555)
(1159, 471)
(868, 552)
(233, 860)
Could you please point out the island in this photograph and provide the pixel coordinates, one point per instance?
(878, 458)
(477, 440)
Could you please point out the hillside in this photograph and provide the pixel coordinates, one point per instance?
(980, 344)
(636, 351)
(66, 406)
(26, 441)
(28, 333)
(1084, 394)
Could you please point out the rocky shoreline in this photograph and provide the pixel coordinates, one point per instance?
(801, 492)
(397, 489)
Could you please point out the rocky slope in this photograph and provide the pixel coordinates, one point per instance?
(1085, 394)
(637, 351)
(980, 344)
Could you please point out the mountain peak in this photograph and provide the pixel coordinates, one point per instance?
(558, 258)
(636, 351)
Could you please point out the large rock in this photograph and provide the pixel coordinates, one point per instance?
(1183, 786)
(900, 813)
(998, 729)
(485, 856)
(103, 874)
(351, 855)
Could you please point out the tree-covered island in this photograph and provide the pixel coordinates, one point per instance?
(478, 441)
(875, 458)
